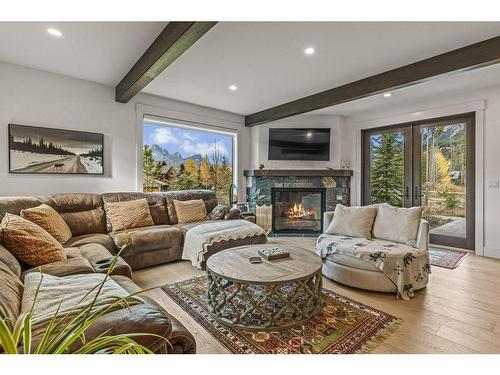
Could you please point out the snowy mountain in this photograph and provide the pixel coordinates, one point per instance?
(176, 159)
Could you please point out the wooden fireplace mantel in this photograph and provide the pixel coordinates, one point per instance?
(297, 172)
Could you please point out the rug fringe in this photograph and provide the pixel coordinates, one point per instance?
(378, 338)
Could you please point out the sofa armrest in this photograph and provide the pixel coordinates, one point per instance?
(233, 214)
(70, 266)
(423, 235)
(327, 219)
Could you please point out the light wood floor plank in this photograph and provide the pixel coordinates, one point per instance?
(458, 312)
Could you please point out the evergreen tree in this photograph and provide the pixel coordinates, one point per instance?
(151, 169)
(387, 178)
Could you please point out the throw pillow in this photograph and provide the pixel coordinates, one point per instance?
(397, 224)
(30, 243)
(352, 221)
(50, 220)
(219, 212)
(128, 214)
(189, 211)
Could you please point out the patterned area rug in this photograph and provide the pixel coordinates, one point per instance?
(343, 326)
(446, 258)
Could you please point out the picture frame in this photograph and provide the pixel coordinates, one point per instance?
(41, 150)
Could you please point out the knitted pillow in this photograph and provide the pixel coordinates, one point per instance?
(50, 220)
(128, 214)
(219, 212)
(30, 243)
(189, 211)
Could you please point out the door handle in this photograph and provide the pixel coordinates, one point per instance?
(407, 192)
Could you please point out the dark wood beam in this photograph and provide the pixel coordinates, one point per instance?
(172, 42)
(470, 57)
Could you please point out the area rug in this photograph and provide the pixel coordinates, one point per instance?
(343, 326)
(446, 258)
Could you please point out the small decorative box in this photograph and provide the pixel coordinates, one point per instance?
(272, 253)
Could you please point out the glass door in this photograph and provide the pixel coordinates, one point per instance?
(386, 166)
(429, 164)
(444, 179)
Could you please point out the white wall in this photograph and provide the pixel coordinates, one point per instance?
(260, 142)
(33, 97)
(486, 104)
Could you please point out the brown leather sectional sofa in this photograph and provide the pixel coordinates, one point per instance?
(93, 242)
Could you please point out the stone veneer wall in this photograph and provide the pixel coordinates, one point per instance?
(337, 189)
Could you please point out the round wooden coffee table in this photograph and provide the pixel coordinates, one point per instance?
(271, 295)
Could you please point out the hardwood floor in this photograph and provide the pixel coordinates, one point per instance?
(458, 312)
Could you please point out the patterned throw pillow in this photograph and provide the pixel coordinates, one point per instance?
(128, 214)
(189, 211)
(219, 212)
(50, 220)
(30, 243)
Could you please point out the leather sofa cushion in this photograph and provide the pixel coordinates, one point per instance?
(28, 242)
(50, 220)
(93, 238)
(10, 261)
(208, 197)
(142, 240)
(14, 205)
(156, 201)
(92, 252)
(82, 212)
(128, 214)
(11, 291)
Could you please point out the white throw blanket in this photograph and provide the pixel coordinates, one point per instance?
(66, 293)
(199, 238)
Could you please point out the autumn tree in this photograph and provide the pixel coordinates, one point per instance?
(205, 171)
(191, 167)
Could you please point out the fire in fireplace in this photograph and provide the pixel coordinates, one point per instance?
(298, 210)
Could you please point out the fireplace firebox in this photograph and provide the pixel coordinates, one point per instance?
(298, 210)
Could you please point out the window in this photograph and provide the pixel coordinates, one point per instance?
(177, 157)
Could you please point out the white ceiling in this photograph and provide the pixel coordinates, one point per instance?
(264, 59)
(101, 52)
(436, 89)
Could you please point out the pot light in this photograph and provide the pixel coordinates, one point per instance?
(55, 32)
(309, 134)
(387, 95)
(233, 87)
(309, 51)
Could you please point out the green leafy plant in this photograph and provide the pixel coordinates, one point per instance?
(66, 333)
(450, 199)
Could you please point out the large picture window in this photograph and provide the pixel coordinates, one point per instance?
(178, 157)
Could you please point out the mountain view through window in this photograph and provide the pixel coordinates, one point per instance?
(179, 158)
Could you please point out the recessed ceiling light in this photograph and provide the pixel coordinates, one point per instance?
(309, 51)
(233, 87)
(309, 134)
(387, 95)
(55, 32)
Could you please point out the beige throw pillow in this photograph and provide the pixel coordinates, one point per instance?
(128, 214)
(352, 221)
(397, 224)
(189, 211)
(30, 243)
(50, 220)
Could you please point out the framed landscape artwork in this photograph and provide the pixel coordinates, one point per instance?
(54, 151)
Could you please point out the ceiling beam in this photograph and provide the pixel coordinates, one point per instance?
(469, 57)
(172, 42)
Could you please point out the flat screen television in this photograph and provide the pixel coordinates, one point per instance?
(299, 144)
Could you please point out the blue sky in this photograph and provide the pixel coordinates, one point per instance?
(187, 141)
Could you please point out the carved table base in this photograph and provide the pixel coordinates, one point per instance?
(264, 306)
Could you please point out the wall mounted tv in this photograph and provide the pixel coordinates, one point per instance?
(299, 144)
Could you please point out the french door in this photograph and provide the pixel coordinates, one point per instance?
(429, 164)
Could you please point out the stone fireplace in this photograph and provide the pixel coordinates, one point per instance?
(292, 202)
